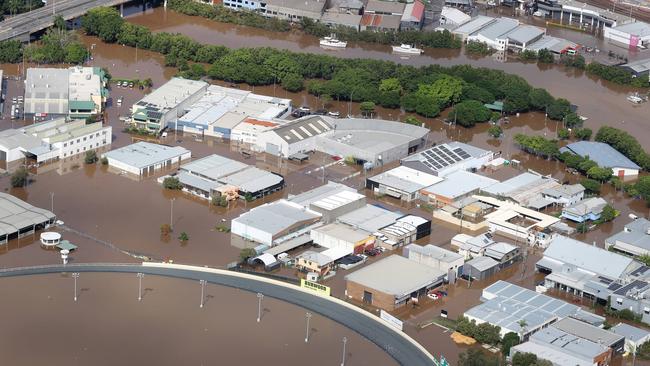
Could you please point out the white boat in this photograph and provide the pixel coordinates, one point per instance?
(636, 98)
(405, 48)
(333, 42)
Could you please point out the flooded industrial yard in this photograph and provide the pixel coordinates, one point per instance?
(109, 208)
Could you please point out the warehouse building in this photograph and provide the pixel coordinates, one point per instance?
(305, 199)
(435, 257)
(275, 222)
(343, 237)
(638, 68)
(472, 26)
(615, 342)
(392, 282)
(144, 158)
(635, 34)
(370, 218)
(605, 156)
(19, 219)
(453, 17)
(338, 204)
(444, 159)
(548, 352)
(166, 104)
(505, 305)
(403, 183)
(564, 195)
(633, 240)
(370, 141)
(589, 209)
(249, 129)
(220, 110)
(472, 246)
(634, 337)
(404, 231)
(583, 269)
(480, 268)
(457, 185)
(294, 10)
(495, 34)
(525, 189)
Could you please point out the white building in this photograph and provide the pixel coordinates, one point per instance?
(220, 110)
(164, 105)
(144, 158)
(605, 156)
(435, 257)
(444, 159)
(249, 129)
(636, 34)
(343, 237)
(402, 182)
(494, 35)
(453, 16)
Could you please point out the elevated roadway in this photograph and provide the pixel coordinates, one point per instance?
(397, 344)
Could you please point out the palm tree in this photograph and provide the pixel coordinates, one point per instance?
(522, 325)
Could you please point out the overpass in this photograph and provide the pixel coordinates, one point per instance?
(401, 347)
(23, 25)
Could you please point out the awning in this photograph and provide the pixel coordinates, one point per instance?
(64, 244)
(299, 156)
(289, 244)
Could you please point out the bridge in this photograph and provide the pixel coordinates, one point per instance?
(23, 25)
(401, 347)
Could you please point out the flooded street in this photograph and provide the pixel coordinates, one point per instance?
(128, 215)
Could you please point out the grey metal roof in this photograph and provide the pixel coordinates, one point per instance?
(639, 29)
(474, 24)
(635, 233)
(303, 128)
(553, 44)
(638, 66)
(499, 250)
(342, 232)
(435, 252)
(370, 218)
(549, 353)
(14, 139)
(381, 6)
(630, 333)
(213, 166)
(396, 275)
(593, 205)
(565, 190)
(143, 154)
(252, 179)
(498, 29)
(568, 342)
(277, 216)
(588, 331)
(482, 263)
(445, 155)
(589, 257)
(525, 33)
(336, 18)
(46, 90)
(459, 183)
(603, 154)
(16, 214)
(331, 188)
(315, 6)
(197, 182)
(513, 184)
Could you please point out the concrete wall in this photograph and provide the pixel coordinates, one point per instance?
(252, 233)
(379, 299)
(84, 143)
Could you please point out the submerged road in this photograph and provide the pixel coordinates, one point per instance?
(397, 344)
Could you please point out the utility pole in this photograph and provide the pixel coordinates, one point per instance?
(202, 282)
(308, 316)
(345, 341)
(140, 275)
(52, 202)
(75, 275)
(171, 214)
(260, 296)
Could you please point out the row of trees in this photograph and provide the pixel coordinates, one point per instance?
(616, 74)
(425, 90)
(483, 333)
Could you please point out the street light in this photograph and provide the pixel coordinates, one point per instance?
(345, 341)
(75, 275)
(202, 282)
(52, 202)
(308, 316)
(260, 296)
(171, 214)
(140, 275)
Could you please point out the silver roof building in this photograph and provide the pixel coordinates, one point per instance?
(370, 218)
(46, 91)
(634, 239)
(17, 215)
(603, 154)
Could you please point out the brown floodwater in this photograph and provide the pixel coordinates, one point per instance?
(109, 326)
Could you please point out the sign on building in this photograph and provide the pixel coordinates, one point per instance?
(391, 319)
(317, 287)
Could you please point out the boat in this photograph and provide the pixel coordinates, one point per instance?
(636, 98)
(405, 48)
(333, 42)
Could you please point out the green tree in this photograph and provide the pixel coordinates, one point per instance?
(478, 48)
(11, 51)
(103, 22)
(75, 53)
(20, 177)
(367, 108)
(558, 109)
(104, 160)
(563, 134)
(540, 99)
(183, 237)
(246, 253)
(572, 120)
(509, 340)
(608, 214)
(470, 112)
(391, 84)
(91, 157)
(292, 83)
(172, 183)
(582, 227)
(642, 187)
(591, 186)
(528, 359)
(600, 174)
(495, 131)
(582, 134)
(59, 23)
(545, 56)
(476, 357)
(412, 121)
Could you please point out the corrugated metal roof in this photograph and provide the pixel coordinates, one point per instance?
(459, 183)
(370, 218)
(277, 216)
(603, 154)
(143, 154)
(525, 33)
(16, 214)
(252, 179)
(498, 29)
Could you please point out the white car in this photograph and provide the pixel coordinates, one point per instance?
(432, 296)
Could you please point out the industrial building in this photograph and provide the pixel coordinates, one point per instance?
(472, 246)
(144, 158)
(564, 195)
(249, 129)
(457, 185)
(166, 104)
(506, 305)
(633, 240)
(526, 189)
(557, 357)
(275, 222)
(294, 10)
(222, 109)
(19, 219)
(413, 16)
(452, 17)
(331, 200)
(346, 239)
(592, 333)
(638, 68)
(581, 14)
(435, 257)
(404, 231)
(583, 269)
(215, 176)
(589, 209)
(403, 183)
(392, 282)
(76, 92)
(444, 159)
(480, 268)
(605, 156)
(50, 140)
(634, 337)
(557, 46)
(370, 218)
(634, 34)
(369, 141)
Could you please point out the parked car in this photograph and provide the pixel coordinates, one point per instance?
(433, 296)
